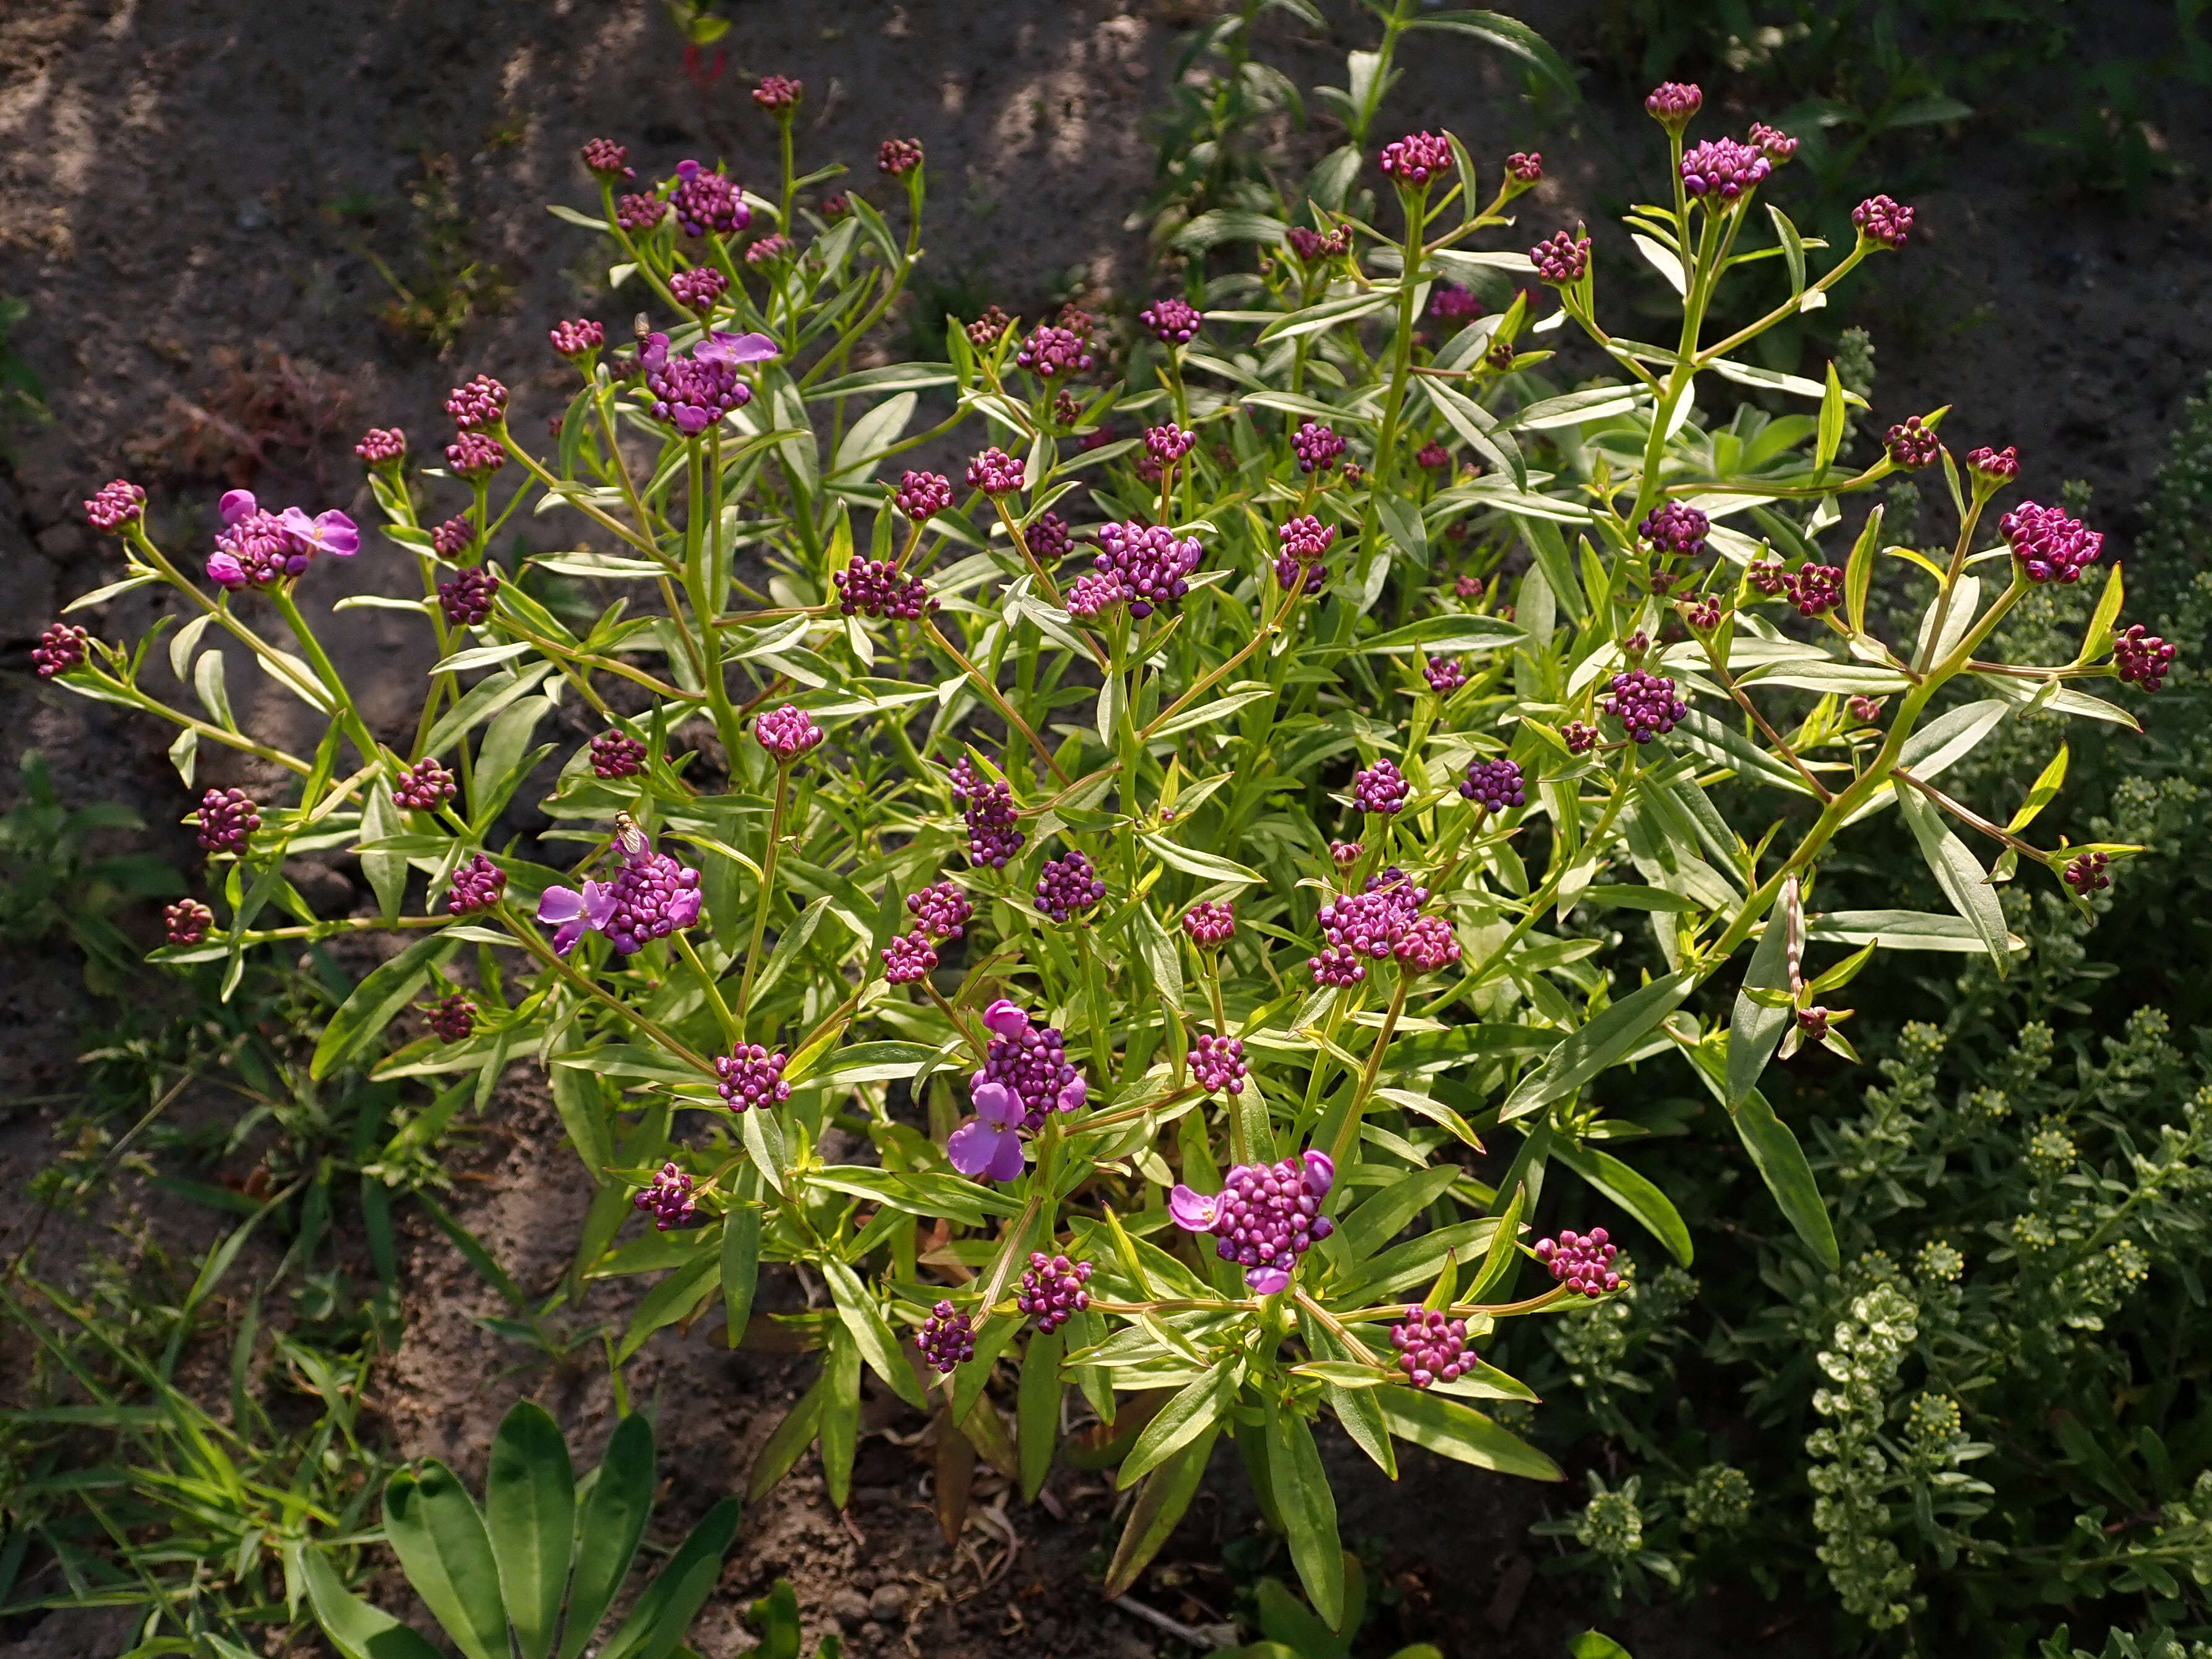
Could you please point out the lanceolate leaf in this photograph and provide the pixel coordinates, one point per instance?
(441, 1541)
(1309, 1511)
(1197, 1408)
(1650, 1207)
(1459, 1432)
(1753, 1030)
(1161, 1501)
(1585, 1052)
(1962, 880)
(613, 1522)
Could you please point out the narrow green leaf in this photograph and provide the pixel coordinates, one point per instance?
(2099, 639)
(1037, 1409)
(1198, 1407)
(615, 1515)
(2047, 785)
(1199, 864)
(1378, 1220)
(1831, 437)
(439, 1539)
(1463, 1434)
(1793, 248)
(1498, 1261)
(840, 1429)
(357, 1629)
(1754, 1030)
(1959, 874)
(857, 1309)
(790, 1437)
(1650, 1208)
(1309, 1511)
(672, 1299)
(1509, 34)
(672, 1601)
(376, 1002)
(1160, 1504)
(1858, 571)
(1585, 1052)
(1781, 1165)
(741, 1237)
(530, 1510)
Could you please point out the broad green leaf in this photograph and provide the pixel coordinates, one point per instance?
(1959, 873)
(1198, 1408)
(376, 1002)
(1037, 1409)
(1206, 710)
(356, 1629)
(1951, 737)
(1309, 1511)
(1219, 225)
(1895, 930)
(1596, 1644)
(741, 1237)
(1645, 1203)
(840, 1430)
(483, 700)
(1480, 427)
(872, 433)
(1161, 1501)
(1463, 1434)
(856, 1307)
(439, 1539)
(672, 1601)
(615, 1515)
(530, 1510)
(214, 694)
(1585, 1052)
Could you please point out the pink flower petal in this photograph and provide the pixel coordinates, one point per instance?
(998, 1106)
(1006, 1163)
(1004, 1019)
(238, 504)
(1074, 1094)
(1193, 1212)
(1320, 1172)
(1266, 1281)
(560, 904)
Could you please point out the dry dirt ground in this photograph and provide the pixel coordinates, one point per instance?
(190, 193)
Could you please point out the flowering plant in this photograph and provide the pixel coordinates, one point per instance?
(1113, 962)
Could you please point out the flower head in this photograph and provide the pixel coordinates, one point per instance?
(1445, 675)
(1417, 158)
(1672, 103)
(946, 1339)
(942, 909)
(667, 1198)
(1030, 1060)
(120, 501)
(1314, 245)
(477, 885)
(1525, 168)
(1449, 302)
(423, 786)
(768, 250)
(1720, 170)
(1910, 444)
(1580, 737)
(1776, 145)
(479, 404)
(922, 495)
(1584, 1262)
(1645, 704)
(1432, 1347)
(453, 1018)
(692, 393)
(989, 809)
(187, 922)
(467, 599)
(787, 732)
(1152, 563)
(707, 202)
(1432, 455)
(608, 160)
(1882, 222)
(1429, 944)
(896, 157)
(995, 472)
(1168, 444)
(2050, 543)
(1994, 466)
(1050, 351)
(1174, 320)
(475, 455)
(1380, 788)
(1210, 923)
(61, 648)
(1068, 886)
(616, 754)
(875, 587)
(1318, 447)
(2085, 874)
(1497, 784)
(227, 819)
(1265, 1218)
(909, 957)
(1563, 260)
(779, 95)
(640, 210)
(1675, 528)
(698, 287)
(1053, 1291)
(989, 1145)
(750, 1076)
(2143, 659)
(1815, 589)
(1304, 541)
(987, 330)
(651, 896)
(1217, 1063)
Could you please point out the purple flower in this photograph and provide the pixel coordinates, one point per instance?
(1050, 536)
(692, 393)
(1583, 1264)
(995, 472)
(253, 549)
(1211, 924)
(1776, 145)
(1318, 447)
(1676, 529)
(989, 1145)
(1089, 594)
(1497, 784)
(453, 1018)
(120, 501)
(1449, 302)
(61, 648)
(707, 201)
(1176, 321)
(475, 455)
(1305, 542)
(1445, 675)
(1153, 564)
(1672, 103)
(1432, 455)
(1644, 704)
(787, 732)
(1336, 965)
(779, 95)
(226, 820)
(1053, 1291)
(651, 896)
(423, 786)
(1371, 923)
(697, 289)
(2143, 659)
(946, 1339)
(187, 922)
(667, 1198)
(1882, 222)
(1722, 169)
(467, 599)
(577, 338)
(1052, 351)
(616, 754)
(942, 908)
(1380, 788)
(1563, 260)
(1417, 158)
(896, 157)
(909, 957)
(478, 885)
(1218, 1064)
(922, 495)
(1264, 1217)
(640, 210)
(1031, 1061)
(381, 446)
(1428, 946)
(750, 1076)
(479, 404)
(1431, 1348)
(608, 160)
(1910, 444)
(2050, 544)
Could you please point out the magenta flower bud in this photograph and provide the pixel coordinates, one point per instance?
(874, 587)
(779, 95)
(467, 599)
(616, 754)
(1563, 260)
(1705, 614)
(1432, 1347)
(1997, 466)
(453, 1018)
(2086, 875)
(1428, 946)
(226, 820)
(62, 648)
(1346, 853)
(1768, 576)
(1417, 158)
(477, 885)
(667, 1198)
(946, 1339)
(1313, 245)
(479, 404)
(1450, 303)
(1673, 103)
(995, 472)
(1264, 1218)
(1380, 788)
(1776, 145)
(608, 160)
(1882, 222)
(1050, 536)
(1816, 589)
(836, 206)
(1374, 921)
(896, 157)
(187, 922)
(640, 211)
(941, 909)
(1910, 444)
(423, 786)
(1067, 887)
(1721, 169)
(1210, 923)
(1053, 1291)
(922, 495)
(1168, 443)
(1445, 675)
(787, 732)
(1305, 541)
(707, 203)
(768, 250)
(1676, 529)
(697, 289)
(1432, 455)
(1152, 565)
(2143, 659)
(2050, 545)
(1217, 1063)
(987, 330)
(1318, 447)
(120, 501)
(1497, 784)
(909, 957)
(475, 455)
(1174, 320)
(1644, 704)
(1052, 351)
(1525, 168)
(1866, 709)
(454, 537)
(1089, 594)
(1583, 1263)
(750, 1076)
(1336, 966)
(1580, 737)
(991, 837)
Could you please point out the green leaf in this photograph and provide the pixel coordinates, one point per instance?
(1793, 248)
(376, 1002)
(1895, 930)
(1463, 1434)
(672, 1299)
(357, 1629)
(615, 1515)
(530, 1509)
(1377, 1221)
(1037, 1409)
(1219, 225)
(1199, 864)
(1309, 1511)
(1781, 1165)
(1198, 1407)
(1951, 737)
(840, 1429)
(1858, 571)
(1958, 872)
(1161, 1501)
(1480, 427)
(1585, 1052)
(672, 1601)
(1753, 1030)
(1208, 710)
(439, 1539)
(1511, 36)
(484, 699)
(1596, 1644)
(857, 1309)
(741, 1237)
(1645, 1203)
(387, 871)
(1499, 1261)
(790, 1437)
(1832, 422)
(2099, 639)
(2047, 785)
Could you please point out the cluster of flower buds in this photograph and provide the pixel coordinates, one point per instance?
(423, 786)
(467, 599)
(1720, 170)
(608, 160)
(452, 538)
(1564, 259)
(1150, 564)
(1580, 737)
(1053, 1291)
(616, 754)
(652, 896)
(1372, 922)
(1304, 544)
(1583, 1262)
(640, 210)
(453, 1018)
(779, 95)
(1432, 455)
(1166, 445)
(1882, 222)
(2085, 874)
(228, 820)
(1497, 785)
(1645, 704)
(692, 393)
(667, 1198)
(2143, 659)
(896, 157)
(699, 288)
(477, 885)
(1432, 1347)
(1417, 158)
(941, 909)
(2050, 544)
(187, 922)
(787, 732)
(995, 473)
(1910, 444)
(1210, 923)
(708, 203)
(1994, 466)
(875, 587)
(922, 495)
(479, 405)
(749, 1076)
(1449, 302)
(1174, 321)
(1318, 447)
(987, 330)
(1380, 788)
(1049, 352)
(1217, 1063)
(1675, 530)
(909, 958)
(1816, 589)
(120, 501)
(1068, 886)
(257, 548)
(946, 1339)
(59, 649)
(1776, 145)
(1029, 1061)
(989, 809)
(1673, 103)
(1265, 1218)
(1315, 246)
(1524, 168)
(1445, 675)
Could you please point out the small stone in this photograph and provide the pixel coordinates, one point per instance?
(849, 1608)
(889, 1601)
(61, 541)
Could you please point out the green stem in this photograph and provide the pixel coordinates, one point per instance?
(767, 896)
(708, 984)
(344, 711)
(1347, 1135)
